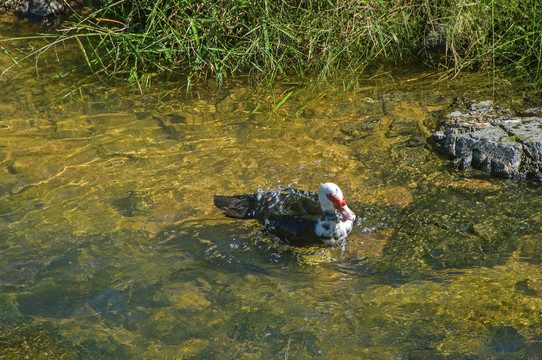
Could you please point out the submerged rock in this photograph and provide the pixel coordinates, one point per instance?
(487, 137)
(460, 224)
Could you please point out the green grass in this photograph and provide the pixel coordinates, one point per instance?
(212, 39)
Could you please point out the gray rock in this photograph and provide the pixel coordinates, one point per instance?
(492, 139)
(41, 10)
(527, 131)
(490, 150)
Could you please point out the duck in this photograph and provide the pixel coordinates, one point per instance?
(297, 217)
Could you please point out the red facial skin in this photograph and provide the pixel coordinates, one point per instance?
(340, 205)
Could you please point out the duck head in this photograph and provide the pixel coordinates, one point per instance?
(332, 199)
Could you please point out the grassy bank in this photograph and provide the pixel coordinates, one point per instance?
(213, 39)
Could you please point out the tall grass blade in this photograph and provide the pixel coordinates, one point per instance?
(283, 100)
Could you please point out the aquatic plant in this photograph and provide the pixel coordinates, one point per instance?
(135, 39)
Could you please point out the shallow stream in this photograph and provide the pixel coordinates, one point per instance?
(110, 246)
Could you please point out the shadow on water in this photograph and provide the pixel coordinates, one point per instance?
(112, 248)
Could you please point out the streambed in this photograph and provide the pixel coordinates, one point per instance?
(111, 247)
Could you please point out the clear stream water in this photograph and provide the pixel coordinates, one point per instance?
(110, 246)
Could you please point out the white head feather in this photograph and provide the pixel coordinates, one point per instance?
(331, 199)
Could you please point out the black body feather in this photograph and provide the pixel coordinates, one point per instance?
(290, 214)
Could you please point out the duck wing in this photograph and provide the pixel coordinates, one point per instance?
(264, 206)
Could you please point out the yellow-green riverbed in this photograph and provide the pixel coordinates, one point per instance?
(110, 247)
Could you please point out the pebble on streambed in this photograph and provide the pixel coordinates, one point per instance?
(493, 139)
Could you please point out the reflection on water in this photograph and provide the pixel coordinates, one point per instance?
(111, 247)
